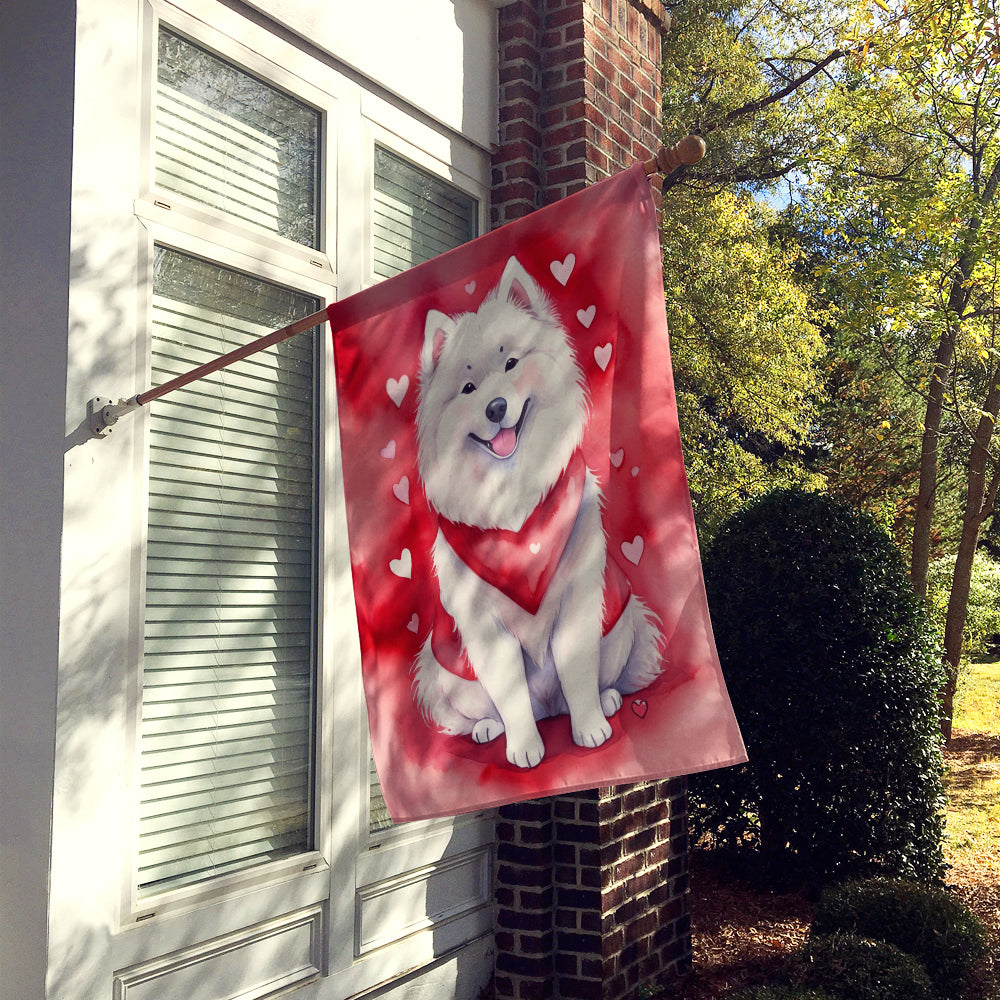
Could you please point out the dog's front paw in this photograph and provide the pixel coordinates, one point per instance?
(592, 733)
(525, 753)
(487, 730)
(611, 701)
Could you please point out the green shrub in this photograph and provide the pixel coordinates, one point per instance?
(833, 672)
(856, 968)
(782, 993)
(925, 922)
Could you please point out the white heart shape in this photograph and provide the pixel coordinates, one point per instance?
(403, 566)
(635, 471)
(586, 316)
(562, 269)
(401, 490)
(535, 547)
(602, 355)
(389, 451)
(414, 623)
(617, 457)
(470, 287)
(397, 388)
(632, 551)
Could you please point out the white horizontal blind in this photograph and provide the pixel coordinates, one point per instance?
(228, 659)
(416, 216)
(225, 139)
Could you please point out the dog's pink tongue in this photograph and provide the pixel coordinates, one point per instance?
(503, 444)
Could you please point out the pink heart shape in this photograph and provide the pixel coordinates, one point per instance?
(403, 566)
(401, 490)
(617, 457)
(586, 316)
(397, 388)
(632, 551)
(389, 451)
(602, 355)
(414, 623)
(562, 269)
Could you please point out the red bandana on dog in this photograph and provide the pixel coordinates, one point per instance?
(521, 564)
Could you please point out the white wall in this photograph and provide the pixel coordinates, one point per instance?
(36, 108)
(416, 50)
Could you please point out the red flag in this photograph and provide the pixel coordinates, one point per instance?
(529, 593)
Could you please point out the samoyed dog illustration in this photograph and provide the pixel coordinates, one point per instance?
(534, 619)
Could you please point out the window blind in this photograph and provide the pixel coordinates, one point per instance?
(415, 216)
(228, 655)
(228, 140)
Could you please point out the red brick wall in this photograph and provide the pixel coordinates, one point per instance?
(591, 888)
(579, 96)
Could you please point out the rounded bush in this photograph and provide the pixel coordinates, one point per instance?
(782, 993)
(833, 673)
(856, 968)
(926, 922)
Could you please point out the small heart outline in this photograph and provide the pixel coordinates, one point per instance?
(640, 707)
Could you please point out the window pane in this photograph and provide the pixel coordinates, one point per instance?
(416, 216)
(228, 140)
(228, 656)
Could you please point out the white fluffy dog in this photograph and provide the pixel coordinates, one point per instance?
(520, 553)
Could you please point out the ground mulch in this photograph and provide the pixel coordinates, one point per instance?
(742, 934)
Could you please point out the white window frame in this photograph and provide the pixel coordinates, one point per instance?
(350, 874)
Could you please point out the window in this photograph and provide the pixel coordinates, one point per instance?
(229, 646)
(228, 680)
(227, 140)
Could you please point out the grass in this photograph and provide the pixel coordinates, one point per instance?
(973, 781)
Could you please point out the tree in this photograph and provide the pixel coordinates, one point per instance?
(914, 188)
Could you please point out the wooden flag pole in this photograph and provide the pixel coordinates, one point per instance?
(668, 158)
(103, 413)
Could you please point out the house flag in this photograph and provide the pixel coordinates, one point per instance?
(530, 602)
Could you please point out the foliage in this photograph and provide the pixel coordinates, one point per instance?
(780, 992)
(857, 968)
(833, 673)
(926, 922)
(983, 615)
(746, 356)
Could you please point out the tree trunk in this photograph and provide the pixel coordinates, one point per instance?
(920, 554)
(980, 499)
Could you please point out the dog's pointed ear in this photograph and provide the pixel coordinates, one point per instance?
(438, 328)
(520, 289)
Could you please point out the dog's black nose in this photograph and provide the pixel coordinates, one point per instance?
(496, 409)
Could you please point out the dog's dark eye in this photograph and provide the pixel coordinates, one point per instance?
(467, 388)
(511, 363)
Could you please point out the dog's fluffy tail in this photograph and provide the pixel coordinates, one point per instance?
(438, 692)
(647, 657)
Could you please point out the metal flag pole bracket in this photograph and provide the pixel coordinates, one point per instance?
(103, 413)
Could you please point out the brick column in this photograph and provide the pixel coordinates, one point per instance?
(591, 888)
